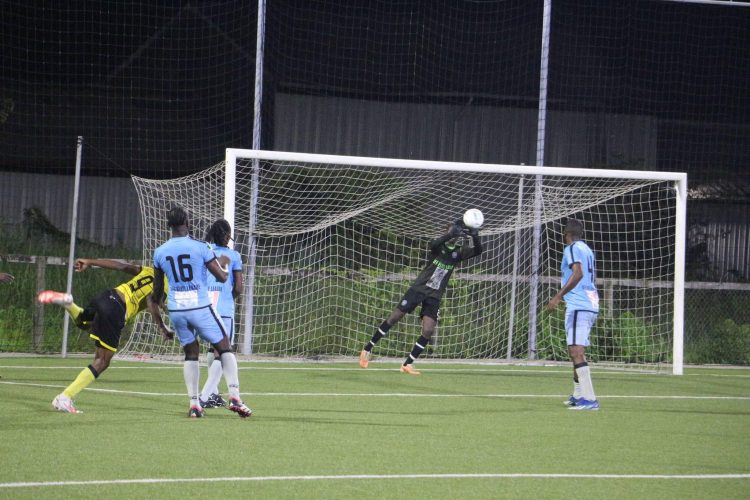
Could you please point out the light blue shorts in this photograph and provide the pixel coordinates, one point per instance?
(229, 328)
(203, 322)
(578, 325)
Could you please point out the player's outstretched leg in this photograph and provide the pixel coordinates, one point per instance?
(65, 300)
(53, 297)
(364, 356)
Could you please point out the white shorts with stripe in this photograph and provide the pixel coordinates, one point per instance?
(578, 325)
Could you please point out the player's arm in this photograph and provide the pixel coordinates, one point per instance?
(216, 265)
(239, 283)
(115, 265)
(154, 303)
(157, 295)
(219, 272)
(238, 278)
(571, 284)
(6, 278)
(155, 310)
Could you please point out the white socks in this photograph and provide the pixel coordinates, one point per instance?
(212, 383)
(577, 390)
(191, 370)
(584, 380)
(231, 375)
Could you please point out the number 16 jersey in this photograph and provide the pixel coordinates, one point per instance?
(183, 261)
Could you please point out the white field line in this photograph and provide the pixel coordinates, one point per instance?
(366, 477)
(425, 366)
(383, 394)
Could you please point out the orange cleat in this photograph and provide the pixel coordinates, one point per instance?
(364, 359)
(410, 370)
(53, 297)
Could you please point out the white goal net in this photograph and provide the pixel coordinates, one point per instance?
(331, 244)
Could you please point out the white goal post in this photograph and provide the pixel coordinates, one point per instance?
(331, 243)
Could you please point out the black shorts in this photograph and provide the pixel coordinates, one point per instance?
(108, 312)
(414, 297)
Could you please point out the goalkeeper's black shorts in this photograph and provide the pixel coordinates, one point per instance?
(415, 297)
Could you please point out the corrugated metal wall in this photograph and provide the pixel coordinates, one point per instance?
(108, 210)
(468, 133)
(720, 235)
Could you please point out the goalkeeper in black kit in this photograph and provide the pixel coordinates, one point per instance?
(445, 253)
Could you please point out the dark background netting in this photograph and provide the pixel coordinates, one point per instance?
(161, 89)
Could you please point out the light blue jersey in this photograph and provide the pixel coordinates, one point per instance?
(584, 296)
(221, 293)
(183, 261)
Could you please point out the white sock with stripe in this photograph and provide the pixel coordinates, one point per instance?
(191, 370)
(231, 374)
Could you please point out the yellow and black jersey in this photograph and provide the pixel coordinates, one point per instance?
(136, 291)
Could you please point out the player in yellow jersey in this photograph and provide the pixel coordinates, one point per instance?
(104, 318)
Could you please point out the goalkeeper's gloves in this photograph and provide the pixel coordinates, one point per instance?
(458, 228)
(473, 231)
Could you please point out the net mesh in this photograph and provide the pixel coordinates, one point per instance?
(338, 245)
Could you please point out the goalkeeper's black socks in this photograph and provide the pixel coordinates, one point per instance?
(419, 346)
(381, 332)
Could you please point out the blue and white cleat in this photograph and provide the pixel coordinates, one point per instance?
(585, 404)
(572, 401)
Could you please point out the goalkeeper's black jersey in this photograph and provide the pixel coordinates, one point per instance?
(433, 279)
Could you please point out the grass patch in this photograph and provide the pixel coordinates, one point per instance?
(336, 431)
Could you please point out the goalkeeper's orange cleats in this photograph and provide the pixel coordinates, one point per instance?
(410, 370)
(364, 359)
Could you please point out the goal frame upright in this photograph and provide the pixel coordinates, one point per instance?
(678, 180)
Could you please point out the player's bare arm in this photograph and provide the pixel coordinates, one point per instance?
(116, 265)
(215, 268)
(571, 284)
(155, 311)
(239, 283)
(155, 302)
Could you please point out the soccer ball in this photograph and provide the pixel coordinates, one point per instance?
(473, 218)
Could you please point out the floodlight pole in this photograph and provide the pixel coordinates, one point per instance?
(247, 341)
(540, 141)
(72, 251)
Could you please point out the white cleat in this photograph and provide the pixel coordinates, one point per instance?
(64, 404)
